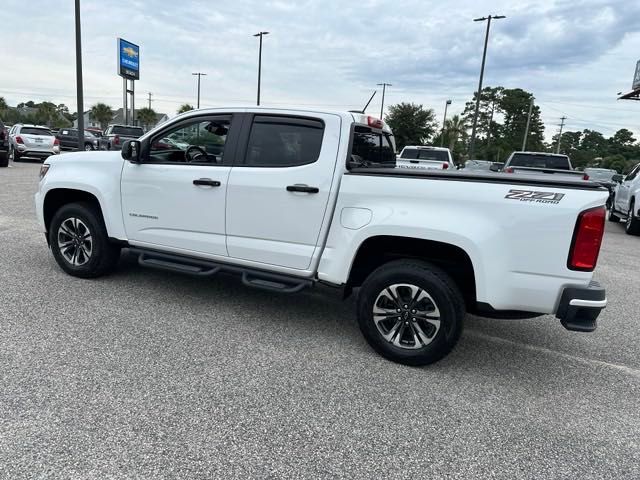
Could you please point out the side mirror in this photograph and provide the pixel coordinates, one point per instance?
(617, 178)
(496, 167)
(131, 150)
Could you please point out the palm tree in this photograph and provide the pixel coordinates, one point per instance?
(185, 108)
(101, 113)
(455, 128)
(147, 117)
(3, 104)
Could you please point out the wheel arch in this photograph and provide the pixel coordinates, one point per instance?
(58, 197)
(380, 249)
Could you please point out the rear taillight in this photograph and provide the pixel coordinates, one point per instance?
(374, 122)
(116, 140)
(585, 177)
(508, 170)
(19, 139)
(56, 142)
(587, 238)
(445, 166)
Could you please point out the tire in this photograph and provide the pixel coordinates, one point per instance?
(16, 155)
(632, 226)
(612, 213)
(400, 337)
(4, 159)
(88, 147)
(96, 256)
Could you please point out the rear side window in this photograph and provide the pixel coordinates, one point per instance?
(372, 147)
(540, 161)
(283, 141)
(127, 131)
(35, 131)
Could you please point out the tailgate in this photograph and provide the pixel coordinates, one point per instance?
(558, 173)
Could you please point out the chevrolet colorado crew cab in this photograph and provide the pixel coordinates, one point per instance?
(289, 198)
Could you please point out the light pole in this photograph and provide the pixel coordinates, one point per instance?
(472, 146)
(260, 34)
(80, 99)
(526, 130)
(199, 74)
(384, 88)
(446, 104)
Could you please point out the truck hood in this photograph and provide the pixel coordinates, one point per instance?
(84, 157)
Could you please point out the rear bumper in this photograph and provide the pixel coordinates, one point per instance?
(580, 306)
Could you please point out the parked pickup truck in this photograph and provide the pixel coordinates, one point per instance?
(115, 135)
(291, 198)
(423, 156)
(540, 162)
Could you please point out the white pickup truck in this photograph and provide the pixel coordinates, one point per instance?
(290, 198)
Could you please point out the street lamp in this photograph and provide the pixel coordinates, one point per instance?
(384, 88)
(79, 89)
(199, 74)
(260, 34)
(472, 146)
(446, 104)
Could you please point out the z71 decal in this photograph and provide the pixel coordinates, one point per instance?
(537, 197)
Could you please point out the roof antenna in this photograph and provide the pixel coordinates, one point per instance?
(365, 107)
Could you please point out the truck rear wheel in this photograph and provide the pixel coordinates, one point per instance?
(79, 241)
(410, 312)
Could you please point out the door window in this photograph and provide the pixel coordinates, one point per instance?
(283, 141)
(632, 174)
(195, 142)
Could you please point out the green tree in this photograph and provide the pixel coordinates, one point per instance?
(102, 114)
(3, 105)
(147, 117)
(622, 138)
(412, 124)
(594, 142)
(46, 114)
(514, 105)
(455, 128)
(185, 108)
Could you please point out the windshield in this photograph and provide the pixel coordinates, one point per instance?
(425, 154)
(372, 147)
(127, 131)
(35, 131)
(557, 162)
(600, 174)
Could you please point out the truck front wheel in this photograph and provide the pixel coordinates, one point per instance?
(79, 241)
(410, 312)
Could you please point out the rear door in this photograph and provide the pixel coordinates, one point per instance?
(279, 189)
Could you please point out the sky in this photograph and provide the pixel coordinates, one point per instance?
(574, 56)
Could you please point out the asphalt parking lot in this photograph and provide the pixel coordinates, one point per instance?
(147, 374)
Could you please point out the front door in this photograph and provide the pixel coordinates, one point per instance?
(175, 198)
(623, 193)
(279, 188)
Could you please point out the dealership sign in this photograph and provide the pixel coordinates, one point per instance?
(128, 60)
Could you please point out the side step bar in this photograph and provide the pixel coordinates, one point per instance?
(204, 268)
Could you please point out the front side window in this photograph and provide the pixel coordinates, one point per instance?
(633, 173)
(197, 141)
(283, 141)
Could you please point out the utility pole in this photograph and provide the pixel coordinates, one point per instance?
(150, 100)
(526, 130)
(79, 88)
(562, 119)
(493, 105)
(446, 104)
(199, 74)
(384, 88)
(472, 146)
(260, 34)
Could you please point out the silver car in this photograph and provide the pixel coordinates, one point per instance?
(32, 141)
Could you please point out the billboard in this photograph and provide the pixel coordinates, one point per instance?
(128, 59)
(636, 77)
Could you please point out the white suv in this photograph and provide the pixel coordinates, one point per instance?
(432, 158)
(32, 141)
(626, 201)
